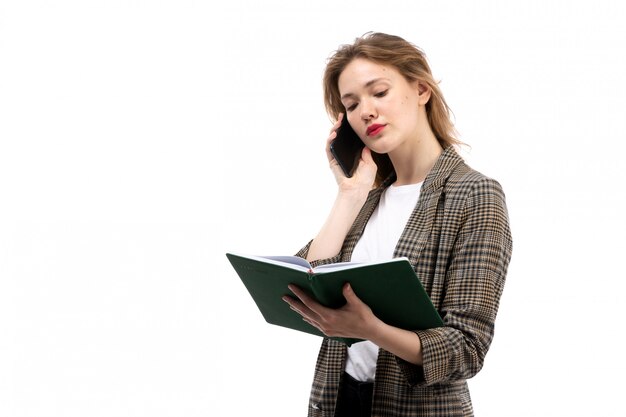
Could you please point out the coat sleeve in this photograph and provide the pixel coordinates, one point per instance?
(302, 253)
(473, 285)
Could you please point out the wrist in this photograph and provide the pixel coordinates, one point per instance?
(352, 195)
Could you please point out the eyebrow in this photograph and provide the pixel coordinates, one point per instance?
(367, 84)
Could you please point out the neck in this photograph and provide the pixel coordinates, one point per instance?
(414, 160)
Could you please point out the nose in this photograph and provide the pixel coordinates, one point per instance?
(368, 110)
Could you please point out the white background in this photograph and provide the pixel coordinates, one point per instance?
(141, 140)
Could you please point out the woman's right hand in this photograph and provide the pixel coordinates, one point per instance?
(350, 198)
(363, 178)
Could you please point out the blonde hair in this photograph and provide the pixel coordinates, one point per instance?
(411, 62)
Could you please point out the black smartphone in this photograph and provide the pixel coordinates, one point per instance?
(346, 148)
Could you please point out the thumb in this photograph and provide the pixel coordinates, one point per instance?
(366, 155)
(349, 294)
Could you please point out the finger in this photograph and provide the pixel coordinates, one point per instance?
(298, 292)
(303, 303)
(309, 302)
(330, 140)
(313, 323)
(300, 308)
(366, 155)
(367, 159)
(333, 135)
(340, 117)
(367, 167)
(350, 295)
(294, 303)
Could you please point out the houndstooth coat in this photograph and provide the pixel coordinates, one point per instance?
(459, 242)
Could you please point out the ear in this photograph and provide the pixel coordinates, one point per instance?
(423, 91)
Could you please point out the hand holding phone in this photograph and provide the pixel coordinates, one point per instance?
(346, 148)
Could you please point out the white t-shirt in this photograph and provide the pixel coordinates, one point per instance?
(378, 243)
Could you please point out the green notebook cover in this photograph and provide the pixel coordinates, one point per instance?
(390, 288)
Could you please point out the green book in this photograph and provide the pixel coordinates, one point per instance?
(390, 288)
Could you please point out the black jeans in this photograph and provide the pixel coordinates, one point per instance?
(355, 398)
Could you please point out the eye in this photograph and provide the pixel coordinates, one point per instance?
(351, 107)
(381, 93)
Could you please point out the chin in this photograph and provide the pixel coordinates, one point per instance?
(381, 148)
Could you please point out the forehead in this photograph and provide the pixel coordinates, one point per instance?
(359, 72)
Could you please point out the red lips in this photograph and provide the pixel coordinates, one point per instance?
(374, 129)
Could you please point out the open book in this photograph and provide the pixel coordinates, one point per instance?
(390, 288)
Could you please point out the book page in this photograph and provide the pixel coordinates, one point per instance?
(337, 266)
(293, 260)
(347, 265)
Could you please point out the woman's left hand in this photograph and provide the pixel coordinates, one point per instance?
(354, 320)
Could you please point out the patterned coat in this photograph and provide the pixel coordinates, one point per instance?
(459, 242)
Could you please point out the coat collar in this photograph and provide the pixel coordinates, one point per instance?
(445, 164)
(421, 218)
(442, 169)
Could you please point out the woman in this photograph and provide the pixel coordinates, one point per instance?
(412, 195)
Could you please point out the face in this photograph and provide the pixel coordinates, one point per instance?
(383, 108)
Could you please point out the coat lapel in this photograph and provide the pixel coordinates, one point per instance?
(419, 227)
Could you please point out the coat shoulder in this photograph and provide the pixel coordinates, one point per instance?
(464, 180)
